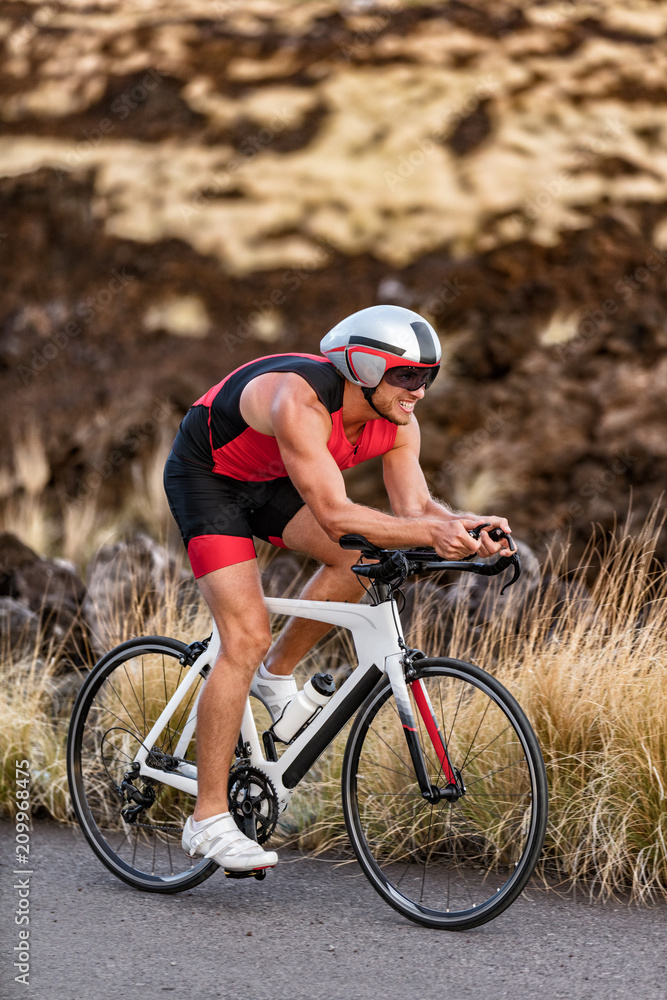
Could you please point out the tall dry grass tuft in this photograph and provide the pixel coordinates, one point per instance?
(595, 688)
(24, 512)
(75, 527)
(33, 725)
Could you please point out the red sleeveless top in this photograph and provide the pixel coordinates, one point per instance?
(214, 434)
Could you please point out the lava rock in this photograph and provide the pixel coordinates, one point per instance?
(129, 585)
(19, 628)
(52, 594)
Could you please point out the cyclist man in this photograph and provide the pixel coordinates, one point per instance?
(261, 454)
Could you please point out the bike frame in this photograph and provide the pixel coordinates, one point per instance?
(378, 640)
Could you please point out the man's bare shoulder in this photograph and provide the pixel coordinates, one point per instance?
(280, 398)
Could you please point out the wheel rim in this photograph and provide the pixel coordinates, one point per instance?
(110, 725)
(452, 862)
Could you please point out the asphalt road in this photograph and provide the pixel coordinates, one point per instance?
(311, 930)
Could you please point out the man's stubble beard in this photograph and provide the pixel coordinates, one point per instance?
(388, 413)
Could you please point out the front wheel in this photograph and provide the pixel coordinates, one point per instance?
(134, 826)
(452, 864)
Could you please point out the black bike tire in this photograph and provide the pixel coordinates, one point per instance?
(500, 900)
(113, 660)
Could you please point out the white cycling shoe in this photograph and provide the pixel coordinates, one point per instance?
(223, 842)
(274, 691)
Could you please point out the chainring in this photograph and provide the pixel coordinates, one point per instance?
(253, 802)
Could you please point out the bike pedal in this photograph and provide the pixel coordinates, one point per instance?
(258, 873)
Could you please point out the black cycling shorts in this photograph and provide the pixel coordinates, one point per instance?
(217, 516)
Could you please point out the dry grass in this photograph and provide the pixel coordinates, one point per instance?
(31, 730)
(588, 672)
(596, 693)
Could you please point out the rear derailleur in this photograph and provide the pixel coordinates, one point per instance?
(142, 798)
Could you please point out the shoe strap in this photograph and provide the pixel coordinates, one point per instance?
(220, 828)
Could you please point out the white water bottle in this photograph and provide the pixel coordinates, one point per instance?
(300, 710)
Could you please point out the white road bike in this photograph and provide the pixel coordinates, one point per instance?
(444, 790)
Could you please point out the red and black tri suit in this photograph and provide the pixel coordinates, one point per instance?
(226, 482)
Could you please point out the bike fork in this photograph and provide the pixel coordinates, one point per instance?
(394, 667)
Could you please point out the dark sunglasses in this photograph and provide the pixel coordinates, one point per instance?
(411, 378)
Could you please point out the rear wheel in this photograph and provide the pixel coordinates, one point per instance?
(450, 864)
(137, 836)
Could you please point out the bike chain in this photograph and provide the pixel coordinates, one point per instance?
(161, 827)
(241, 777)
(249, 774)
(158, 826)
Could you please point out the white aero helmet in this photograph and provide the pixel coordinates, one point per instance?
(368, 343)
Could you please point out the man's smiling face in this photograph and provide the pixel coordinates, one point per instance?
(395, 404)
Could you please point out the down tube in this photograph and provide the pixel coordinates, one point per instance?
(330, 726)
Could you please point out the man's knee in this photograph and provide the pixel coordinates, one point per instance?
(341, 559)
(246, 649)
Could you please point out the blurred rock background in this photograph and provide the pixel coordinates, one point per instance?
(187, 185)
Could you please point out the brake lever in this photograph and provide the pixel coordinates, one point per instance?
(498, 535)
(474, 533)
(514, 561)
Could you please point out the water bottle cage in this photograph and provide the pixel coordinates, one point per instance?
(303, 708)
(296, 735)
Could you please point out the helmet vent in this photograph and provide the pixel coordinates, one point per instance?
(380, 345)
(427, 354)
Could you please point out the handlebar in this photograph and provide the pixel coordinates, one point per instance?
(393, 566)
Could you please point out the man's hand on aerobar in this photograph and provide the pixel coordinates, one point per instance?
(453, 538)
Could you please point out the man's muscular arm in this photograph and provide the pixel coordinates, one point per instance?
(409, 494)
(302, 428)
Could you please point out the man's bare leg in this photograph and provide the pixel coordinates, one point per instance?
(234, 596)
(334, 580)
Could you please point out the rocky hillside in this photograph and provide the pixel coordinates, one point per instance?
(187, 184)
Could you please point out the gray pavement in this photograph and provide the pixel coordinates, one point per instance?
(312, 930)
